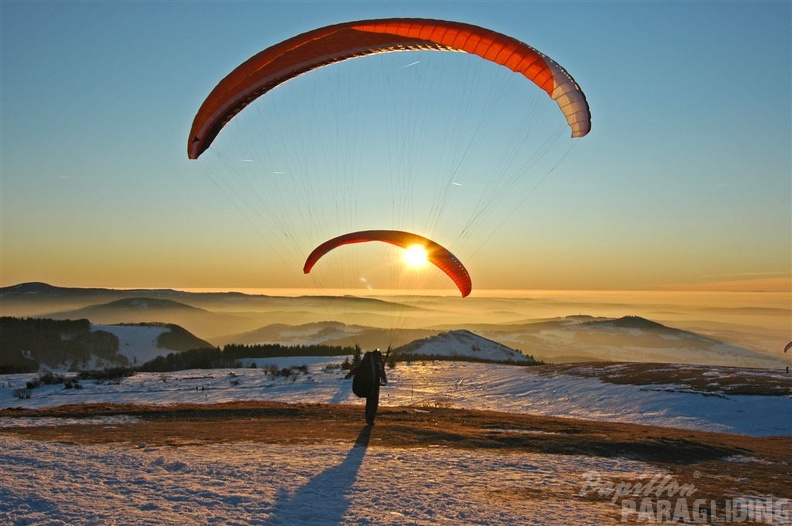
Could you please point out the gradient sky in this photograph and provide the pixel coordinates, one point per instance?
(685, 181)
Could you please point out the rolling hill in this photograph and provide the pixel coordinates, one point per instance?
(461, 345)
(155, 310)
(629, 338)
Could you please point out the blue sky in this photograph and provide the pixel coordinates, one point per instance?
(684, 180)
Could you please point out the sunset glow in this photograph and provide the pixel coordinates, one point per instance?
(415, 256)
(445, 145)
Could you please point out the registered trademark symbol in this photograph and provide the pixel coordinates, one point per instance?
(696, 474)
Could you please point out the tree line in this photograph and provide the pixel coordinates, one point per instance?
(275, 350)
(230, 355)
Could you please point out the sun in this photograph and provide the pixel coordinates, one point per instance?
(415, 256)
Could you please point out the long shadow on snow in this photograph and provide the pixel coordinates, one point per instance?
(342, 393)
(325, 499)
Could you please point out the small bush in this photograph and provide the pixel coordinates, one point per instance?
(113, 375)
(21, 393)
(286, 372)
(50, 378)
(72, 383)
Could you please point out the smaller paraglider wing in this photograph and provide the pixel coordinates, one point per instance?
(788, 346)
(436, 254)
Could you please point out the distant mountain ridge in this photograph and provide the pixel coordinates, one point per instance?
(134, 304)
(625, 339)
(628, 322)
(39, 290)
(222, 312)
(138, 309)
(44, 291)
(233, 317)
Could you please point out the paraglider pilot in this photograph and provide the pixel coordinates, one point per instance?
(369, 376)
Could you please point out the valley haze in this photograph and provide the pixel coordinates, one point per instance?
(743, 329)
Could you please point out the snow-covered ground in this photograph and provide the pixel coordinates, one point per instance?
(329, 484)
(448, 384)
(336, 482)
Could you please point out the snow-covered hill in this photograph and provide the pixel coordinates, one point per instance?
(462, 345)
(141, 343)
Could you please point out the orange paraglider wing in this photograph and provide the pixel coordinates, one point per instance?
(436, 254)
(327, 45)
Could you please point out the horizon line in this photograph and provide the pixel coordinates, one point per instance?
(779, 286)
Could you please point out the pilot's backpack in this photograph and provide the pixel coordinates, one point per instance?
(365, 376)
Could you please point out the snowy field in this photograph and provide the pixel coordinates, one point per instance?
(337, 482)
(435, 384)
(246, 484)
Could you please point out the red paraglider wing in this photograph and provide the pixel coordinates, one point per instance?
(320, 47)
(788, 346)
(436, 254)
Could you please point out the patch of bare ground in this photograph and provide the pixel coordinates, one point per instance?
(719, 465)
(704, 379)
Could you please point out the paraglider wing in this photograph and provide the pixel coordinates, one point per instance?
(327, 45)
(436, 254)
(788, 346)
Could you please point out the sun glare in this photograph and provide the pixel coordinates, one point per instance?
(415, 256)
